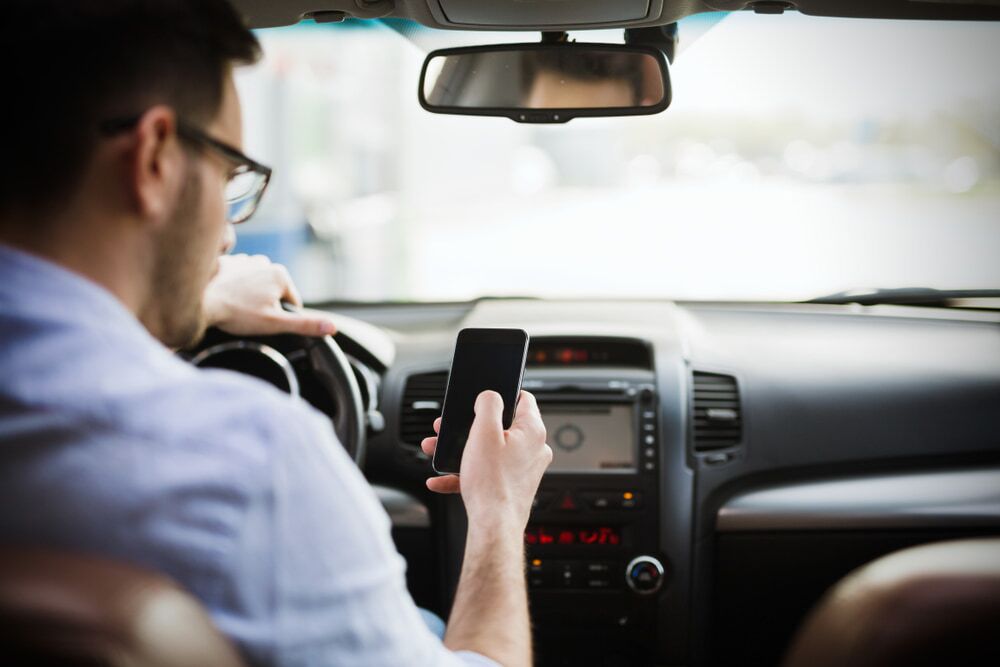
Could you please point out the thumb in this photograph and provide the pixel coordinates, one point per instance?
(305, 324)
(488, 424)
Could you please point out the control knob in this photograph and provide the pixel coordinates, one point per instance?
(644, 575)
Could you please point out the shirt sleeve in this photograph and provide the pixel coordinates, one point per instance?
(339, 584)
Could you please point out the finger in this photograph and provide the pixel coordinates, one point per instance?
(428, 445)
(445, 484)
(488, 424)
(290, 293)
(329, 326)
(437, 425)
(302, 323)
(527, 418)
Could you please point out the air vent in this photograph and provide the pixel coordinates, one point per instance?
(422, 399)
(717, 420)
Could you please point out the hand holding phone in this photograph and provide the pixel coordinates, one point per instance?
(485, 359)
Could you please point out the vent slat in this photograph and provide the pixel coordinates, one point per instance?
(717, 416)
(428, 389)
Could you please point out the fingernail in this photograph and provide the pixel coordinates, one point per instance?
(328, 328)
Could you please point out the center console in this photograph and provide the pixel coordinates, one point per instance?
(594, 569)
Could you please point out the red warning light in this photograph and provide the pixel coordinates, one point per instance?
(567, 537)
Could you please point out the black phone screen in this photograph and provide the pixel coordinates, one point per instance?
(484, 359)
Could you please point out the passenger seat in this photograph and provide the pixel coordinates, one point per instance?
(936, 604)
(71, 610)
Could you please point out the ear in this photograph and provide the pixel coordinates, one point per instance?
(156, 164)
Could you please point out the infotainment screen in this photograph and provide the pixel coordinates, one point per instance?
(589, 437)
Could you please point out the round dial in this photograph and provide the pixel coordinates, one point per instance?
(644, 575)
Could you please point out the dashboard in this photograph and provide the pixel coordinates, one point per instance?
(716, 466)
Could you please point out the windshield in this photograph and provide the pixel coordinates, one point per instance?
(801, 156)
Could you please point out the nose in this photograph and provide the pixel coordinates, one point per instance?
(228, 239)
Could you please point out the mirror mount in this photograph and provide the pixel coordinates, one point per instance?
(662, 37)
(555, 37)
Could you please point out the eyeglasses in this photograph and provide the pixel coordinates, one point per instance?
(247, 181)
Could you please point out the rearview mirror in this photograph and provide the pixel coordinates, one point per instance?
(547, 82)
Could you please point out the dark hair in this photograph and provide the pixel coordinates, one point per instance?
(71, 64)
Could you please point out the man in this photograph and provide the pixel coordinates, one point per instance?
(123, 164)
(574, 81)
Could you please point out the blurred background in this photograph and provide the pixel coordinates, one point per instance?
(801, 156)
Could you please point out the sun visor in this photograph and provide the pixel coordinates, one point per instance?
(560, 14)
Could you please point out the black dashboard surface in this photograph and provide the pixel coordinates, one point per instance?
(825, 392)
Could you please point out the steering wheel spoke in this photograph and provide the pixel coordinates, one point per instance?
(314, 368)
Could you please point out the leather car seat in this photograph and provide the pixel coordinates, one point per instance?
(936, 604)
(66, 609)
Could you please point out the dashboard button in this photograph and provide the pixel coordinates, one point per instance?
(537, 573)
(567, 502)
(644, 575)
(568, 574)
(542, 500)
(650, 439)
(597, 501)
(629, 500)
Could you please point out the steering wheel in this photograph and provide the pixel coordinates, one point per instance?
(315, 369)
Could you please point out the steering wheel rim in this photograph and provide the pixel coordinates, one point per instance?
(332, 370)
(323, 359)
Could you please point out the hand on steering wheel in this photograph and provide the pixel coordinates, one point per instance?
(245, 298)
(255, 310)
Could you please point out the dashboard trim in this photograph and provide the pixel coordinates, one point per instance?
(404, 510)
(956, 498)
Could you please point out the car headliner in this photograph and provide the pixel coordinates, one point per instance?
(432, 13)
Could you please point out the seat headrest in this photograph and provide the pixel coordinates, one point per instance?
(935, 604)
(60, 608)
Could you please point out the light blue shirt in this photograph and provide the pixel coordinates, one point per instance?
(109, 444)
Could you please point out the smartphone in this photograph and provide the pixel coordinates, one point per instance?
(484, 359)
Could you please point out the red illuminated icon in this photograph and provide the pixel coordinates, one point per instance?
(566, 537)
(544, 538)
(530, 538)
(567, 503)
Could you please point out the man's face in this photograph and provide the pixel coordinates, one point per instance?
(553, 90)
(189, 247)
